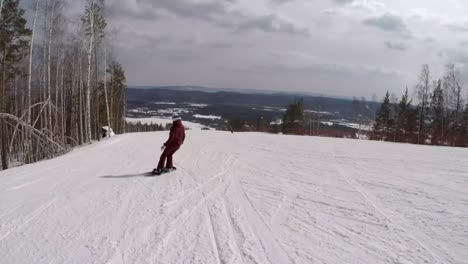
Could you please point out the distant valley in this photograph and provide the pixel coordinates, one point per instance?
(215, 108)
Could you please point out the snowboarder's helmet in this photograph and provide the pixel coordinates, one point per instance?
(175, 117)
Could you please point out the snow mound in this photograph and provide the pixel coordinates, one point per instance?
(238, 198)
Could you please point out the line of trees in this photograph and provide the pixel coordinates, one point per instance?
(140, 127)
(59, 84)
(439, 117)
(298, 121)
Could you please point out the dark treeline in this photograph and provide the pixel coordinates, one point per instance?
(140, 127)
(297, 121)
(438, 117)
(59, 82)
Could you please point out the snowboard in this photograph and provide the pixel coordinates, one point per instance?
(154, 173)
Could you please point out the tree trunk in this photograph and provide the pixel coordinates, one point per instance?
(62, 100)
(98, 112)
(44, 120)
(49, 88)
(1, 8)
(88, 87)
(28, 94)
(81, 103)
(3, 129)
(111, 95)
(57, 83)
(105, 91)
(124, 123)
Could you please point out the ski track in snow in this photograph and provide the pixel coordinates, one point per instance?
(239, 198)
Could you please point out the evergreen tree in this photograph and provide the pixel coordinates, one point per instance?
(262, 124)
(402, 113)
(117, 96)
(293, 120)
(383, 120)
(412, 121)
(437, 105)
(14, 37)
(237, 124)
(465, 120)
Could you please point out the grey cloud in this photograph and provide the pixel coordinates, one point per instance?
(281, 1)
(342, 2)
(387, 22)
(130, 9)
(359, 79)
(221, 45)
(395, 46)
(226, 45)
(455, 55)
(196, 10)
(195, 42)
(315, 63)
(458, 27)
(214, 12)
(459, 57)
(271, 23)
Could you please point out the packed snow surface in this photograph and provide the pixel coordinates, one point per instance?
(239, 198)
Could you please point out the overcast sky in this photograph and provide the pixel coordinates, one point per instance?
(334, 47)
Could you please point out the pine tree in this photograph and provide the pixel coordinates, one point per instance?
(465, 120)
(117, 93)
(412, 121)
(383, 121)
(293, 120)
(402, 112)
(14, 37)
(262, 124)
(437, 104)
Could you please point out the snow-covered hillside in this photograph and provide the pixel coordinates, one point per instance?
(239, 198)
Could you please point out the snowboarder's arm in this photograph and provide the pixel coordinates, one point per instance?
(171, 138)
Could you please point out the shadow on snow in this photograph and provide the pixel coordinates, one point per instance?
(145, 174)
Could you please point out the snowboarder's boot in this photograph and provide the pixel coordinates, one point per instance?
(157, 171)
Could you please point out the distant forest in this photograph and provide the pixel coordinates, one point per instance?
(438, 116)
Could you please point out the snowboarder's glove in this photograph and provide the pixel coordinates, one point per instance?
(163, 147)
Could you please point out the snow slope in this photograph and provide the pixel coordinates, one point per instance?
(239, 198)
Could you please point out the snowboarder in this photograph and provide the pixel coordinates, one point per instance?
(176, 139)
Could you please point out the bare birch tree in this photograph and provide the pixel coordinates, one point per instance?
(45, 98)
(90, 21)
(28, 96)
(422, 93)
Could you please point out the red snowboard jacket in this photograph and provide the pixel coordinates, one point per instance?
(177, 135)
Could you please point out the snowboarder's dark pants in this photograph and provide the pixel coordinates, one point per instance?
(167, 154)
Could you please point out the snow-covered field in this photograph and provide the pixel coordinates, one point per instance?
(212, 117)
(239, 198)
